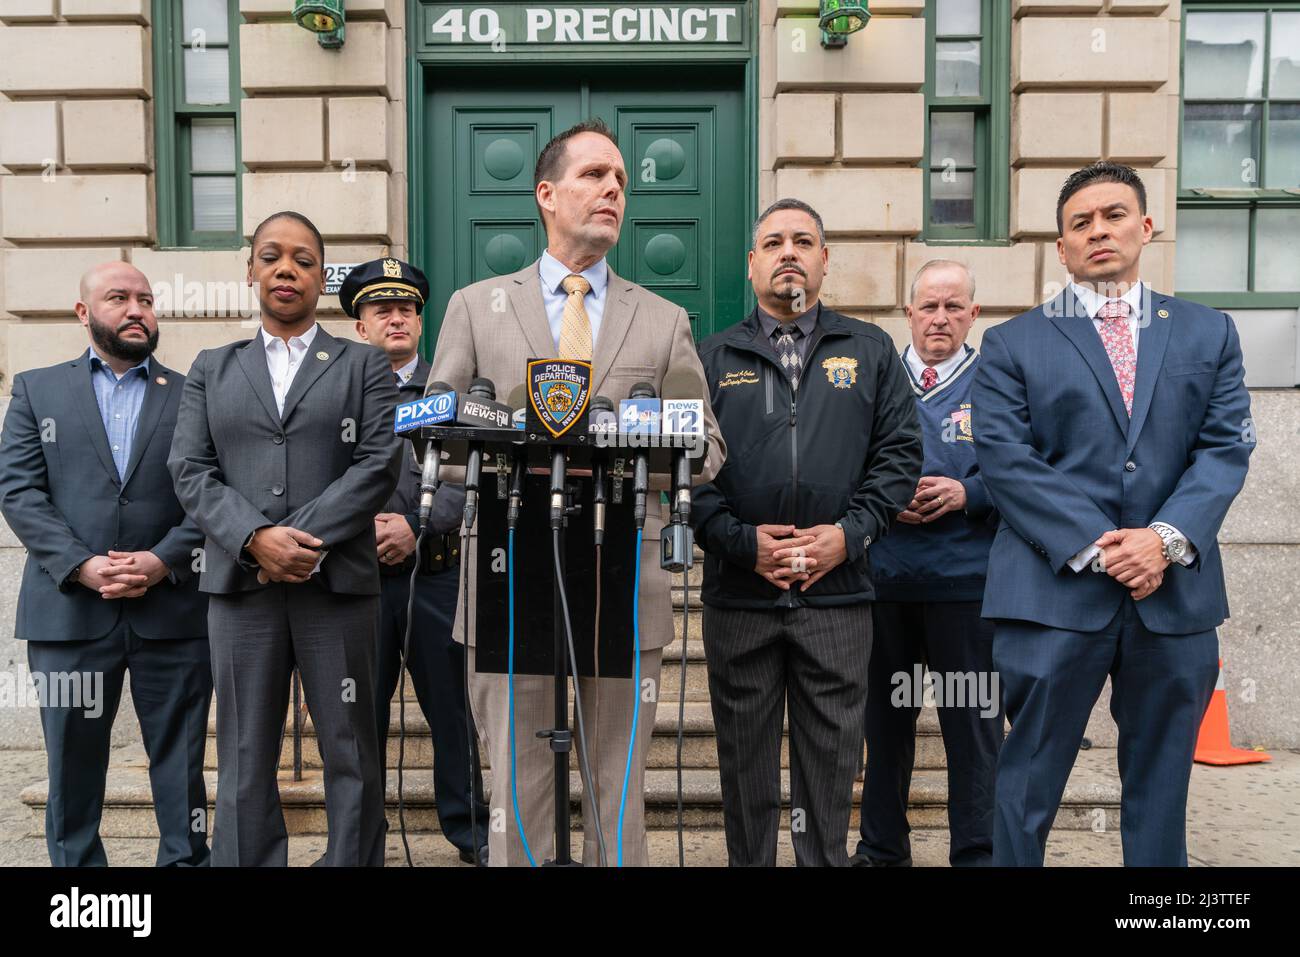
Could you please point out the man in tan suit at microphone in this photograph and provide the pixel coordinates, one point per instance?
(569, 304)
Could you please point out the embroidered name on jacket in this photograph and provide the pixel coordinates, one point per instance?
(739, 377)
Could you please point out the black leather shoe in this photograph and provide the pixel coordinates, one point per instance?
(467, 856)
(862, 860)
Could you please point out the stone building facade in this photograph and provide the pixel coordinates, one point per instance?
(91, 169)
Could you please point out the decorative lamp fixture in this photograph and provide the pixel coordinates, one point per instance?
(325, 18)
(839, 18)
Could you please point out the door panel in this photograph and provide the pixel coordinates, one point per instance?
(684, 231)
(684, 234)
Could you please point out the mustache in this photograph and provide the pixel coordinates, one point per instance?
(784, 267)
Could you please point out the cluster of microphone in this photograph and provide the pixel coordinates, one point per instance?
(641, 414)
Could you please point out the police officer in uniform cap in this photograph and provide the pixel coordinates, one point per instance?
(386, 298)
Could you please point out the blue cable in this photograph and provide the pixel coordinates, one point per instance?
(510, 677)
(636, 689)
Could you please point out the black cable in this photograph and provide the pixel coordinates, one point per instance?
(595, 655)
(681, 714)
(401, 698)
(469, 718)
(577, 695)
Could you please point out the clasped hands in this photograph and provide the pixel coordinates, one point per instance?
(122, 574)
(284, 553)
(1134, 557)
(787, 554)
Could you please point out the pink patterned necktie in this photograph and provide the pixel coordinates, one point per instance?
(1118, 340)
(928, 378)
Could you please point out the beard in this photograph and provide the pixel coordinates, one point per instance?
(111, 342)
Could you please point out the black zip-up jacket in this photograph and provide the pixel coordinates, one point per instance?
(845, 448)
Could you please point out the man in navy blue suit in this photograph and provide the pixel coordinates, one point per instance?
(1114, 432)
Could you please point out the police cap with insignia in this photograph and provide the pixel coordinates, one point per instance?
(380, 280)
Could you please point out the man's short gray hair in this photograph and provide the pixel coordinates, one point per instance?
(789, 203)
(940, 264)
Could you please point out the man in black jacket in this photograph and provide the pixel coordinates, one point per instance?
(825, 451)
(110, 584)
(387, 297)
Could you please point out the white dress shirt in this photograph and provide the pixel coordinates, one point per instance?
(553, 273)
(941, 369)
(283, 362)
(408, 370)
(1138, 293)
(1091, 301)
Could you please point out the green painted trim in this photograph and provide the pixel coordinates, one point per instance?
(419, 65)
(172, 114)
(1244, 300)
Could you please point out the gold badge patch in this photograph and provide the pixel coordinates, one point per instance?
(841, 371)
(392, 269)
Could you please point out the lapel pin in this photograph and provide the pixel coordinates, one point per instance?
(322, 356)
(161, 380)
(1163, 313)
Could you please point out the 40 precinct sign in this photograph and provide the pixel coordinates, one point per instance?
(558, 392)
(509, 27)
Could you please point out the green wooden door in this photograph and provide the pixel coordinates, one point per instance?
(684, 235)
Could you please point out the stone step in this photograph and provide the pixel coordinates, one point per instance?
(699, 745)
(1091, 799)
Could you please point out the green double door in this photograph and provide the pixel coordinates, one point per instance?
(685, 147)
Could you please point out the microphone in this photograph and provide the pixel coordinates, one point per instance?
(479, 408)
(432, 460)
(601, 421)
(518, 460)
(641, 460)
(683, 416)
(601, 417)
(558, 461)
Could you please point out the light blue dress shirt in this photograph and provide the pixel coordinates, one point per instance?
(120, 399)
(553, 273)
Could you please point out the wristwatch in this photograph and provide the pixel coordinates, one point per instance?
(1175, 541)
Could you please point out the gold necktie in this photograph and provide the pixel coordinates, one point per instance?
(575, 328)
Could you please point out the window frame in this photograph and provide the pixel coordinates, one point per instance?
(992, 112)
(172, 119)
(1250, 199)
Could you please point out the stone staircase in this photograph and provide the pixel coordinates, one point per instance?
(1091, 799)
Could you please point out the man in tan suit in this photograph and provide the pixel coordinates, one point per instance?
(570, 304)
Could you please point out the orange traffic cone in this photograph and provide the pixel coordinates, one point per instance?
(1213, 744)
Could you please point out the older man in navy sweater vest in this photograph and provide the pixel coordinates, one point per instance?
(929, 580)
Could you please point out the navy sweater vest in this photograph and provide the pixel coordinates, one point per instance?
(947, 559)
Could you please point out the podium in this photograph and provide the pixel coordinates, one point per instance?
(543, 585)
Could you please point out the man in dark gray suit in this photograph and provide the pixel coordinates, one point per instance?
(284, 453)
(109, 583)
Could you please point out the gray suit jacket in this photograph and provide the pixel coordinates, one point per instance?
(62, 497)
(493, 327)
(326, 466)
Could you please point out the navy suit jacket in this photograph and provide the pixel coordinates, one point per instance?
(61, 495)
(1064, 462)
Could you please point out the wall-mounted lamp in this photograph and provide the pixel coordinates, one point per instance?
(839, 18)
(325, 18)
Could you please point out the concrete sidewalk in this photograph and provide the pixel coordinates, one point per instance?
(1236, 816)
